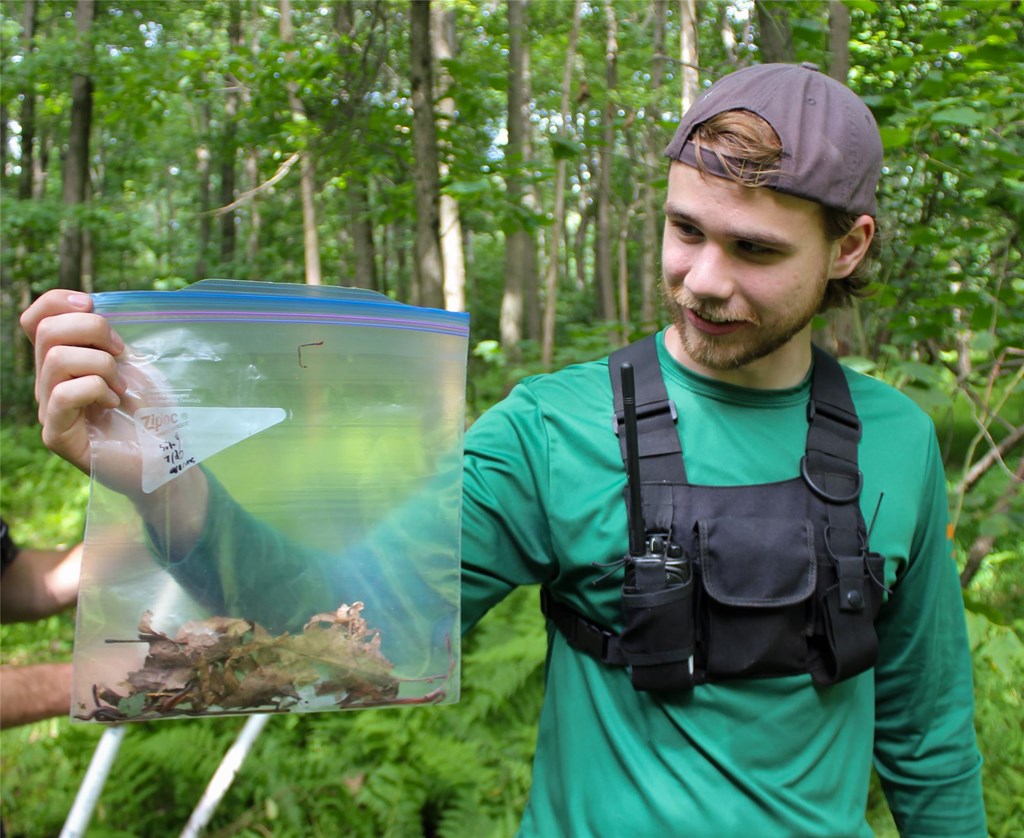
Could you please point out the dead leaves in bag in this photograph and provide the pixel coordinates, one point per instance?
(225, 665)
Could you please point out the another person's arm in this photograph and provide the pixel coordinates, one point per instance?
(40, 583)
(33, 693)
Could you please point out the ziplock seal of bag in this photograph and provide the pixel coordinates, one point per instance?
(309, 440)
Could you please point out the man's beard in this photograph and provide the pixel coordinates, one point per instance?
(754, 341)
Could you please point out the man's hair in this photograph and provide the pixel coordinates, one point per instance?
(748, 151)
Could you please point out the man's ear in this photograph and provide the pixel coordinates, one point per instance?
(848, 251)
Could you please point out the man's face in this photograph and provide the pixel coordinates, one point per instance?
(744, 274)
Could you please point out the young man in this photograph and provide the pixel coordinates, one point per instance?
(738, 671)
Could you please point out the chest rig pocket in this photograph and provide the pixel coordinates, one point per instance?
(738, 581)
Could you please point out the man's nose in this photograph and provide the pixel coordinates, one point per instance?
(709, 274)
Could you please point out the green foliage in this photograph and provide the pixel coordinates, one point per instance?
(946, 326)
(999, 673)
(445, 771)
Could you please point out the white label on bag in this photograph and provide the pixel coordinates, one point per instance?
(174, 439)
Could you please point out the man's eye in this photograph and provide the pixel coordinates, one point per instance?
(686, 229)
(754, 249)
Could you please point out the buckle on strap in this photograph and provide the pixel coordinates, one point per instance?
(824, 494)
(836, 414)
(646, 411)
(579, 632)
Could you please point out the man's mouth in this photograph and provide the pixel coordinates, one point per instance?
(713, 324)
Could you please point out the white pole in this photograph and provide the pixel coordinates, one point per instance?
(92, 785)
(224, 775)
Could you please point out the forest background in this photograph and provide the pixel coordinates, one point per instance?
(503, 158)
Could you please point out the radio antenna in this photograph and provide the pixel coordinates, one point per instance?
(637, 533)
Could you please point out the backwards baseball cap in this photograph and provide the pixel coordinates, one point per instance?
(831, 149)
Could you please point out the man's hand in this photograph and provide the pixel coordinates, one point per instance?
(85, 378)
(76, 370)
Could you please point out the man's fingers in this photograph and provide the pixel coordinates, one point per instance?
(58, 301)
(75, 329)
(63, 415)
(63, 363)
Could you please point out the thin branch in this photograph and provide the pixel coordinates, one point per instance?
(983, 544)
(282, 170)
(993, 455)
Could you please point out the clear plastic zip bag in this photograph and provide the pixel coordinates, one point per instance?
(275, 507)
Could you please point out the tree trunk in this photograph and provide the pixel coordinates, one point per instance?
(22, 281)
(838, 40)
(27, 117)
(520, 247)
(452, 261)
(75, 171)
(558, 222)
(605, 238)
(203, 176)
(776, 35)
(251, 167)
(726, 32)
(655, 165)
(839, 335)
(358, 184)
(689, 52)
(307, 169)
(228, 146)
(362, 234)
(428, 268)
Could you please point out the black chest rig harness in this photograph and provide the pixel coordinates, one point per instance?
(737, 581)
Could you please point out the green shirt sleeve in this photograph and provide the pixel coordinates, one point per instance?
(925, 749)
(505, 533)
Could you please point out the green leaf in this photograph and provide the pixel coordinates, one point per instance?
(929, 400)
(461, 188)
(926, 373)
(131, 706)
(959, 116)
(984, 342)
(564, 149)
(894, 137)
(859, 363)
(995, 525)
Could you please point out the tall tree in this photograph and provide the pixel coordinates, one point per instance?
(228, 142)
(839, 336)
(605, 237)
(776, 33)
(203, 177)
(428, 268)
(307, 168)
(558, 215)
(654, 164)
(519, 293)
(442, 31)
(26, 187)
(357, 180)
(75, 168)
(838, 40)
(689, 52)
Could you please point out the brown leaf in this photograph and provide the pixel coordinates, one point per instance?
(230, 664)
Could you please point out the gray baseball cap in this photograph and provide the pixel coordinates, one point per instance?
(831, 149)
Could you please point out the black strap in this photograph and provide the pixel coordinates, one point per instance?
(580, 633)
(830, 469)
(661, 456)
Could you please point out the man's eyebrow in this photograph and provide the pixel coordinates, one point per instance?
(765, 238)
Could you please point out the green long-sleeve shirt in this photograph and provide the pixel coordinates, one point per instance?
(543, 501)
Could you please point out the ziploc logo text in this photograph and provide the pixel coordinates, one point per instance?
(160, 424)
